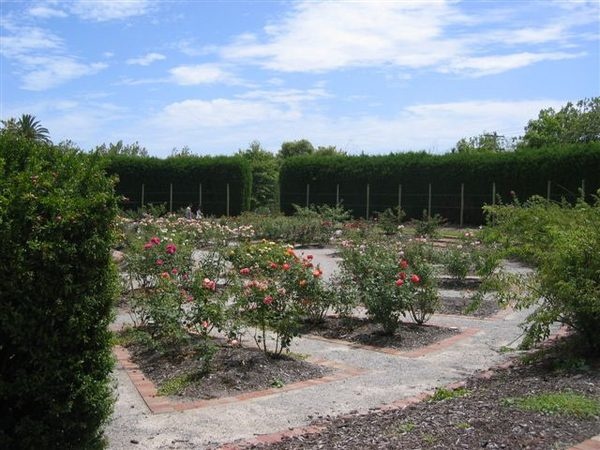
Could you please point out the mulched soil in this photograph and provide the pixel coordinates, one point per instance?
(480, 419)
(362, 331)
(235, 369)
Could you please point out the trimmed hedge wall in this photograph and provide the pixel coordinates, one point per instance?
(186, 174)
(526, 173)
(57, 288)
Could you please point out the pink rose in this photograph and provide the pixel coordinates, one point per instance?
(155, 240)
(399, 282)
(245, 271)
(171, 248)
(415, 278)
(159, 262)
(148, 245)
(268, 300)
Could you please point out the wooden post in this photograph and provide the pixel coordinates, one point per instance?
(142, 202)
(429, 203)
(307, 195)
(493, 193)
(583, 190)
(200, 196)
(462, 203)
(548, 191)
(337, 195)
(399, 197)
(227, 204)
(368, 195)
(171, 197)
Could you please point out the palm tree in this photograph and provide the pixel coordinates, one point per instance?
(30, 128)
(27, 127)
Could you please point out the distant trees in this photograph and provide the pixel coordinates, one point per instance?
(27, 127)
(295, 148)
(265, 176)
(573, 123)
(484, 143)
(119, 148)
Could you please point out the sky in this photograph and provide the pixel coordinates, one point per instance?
(369, 77)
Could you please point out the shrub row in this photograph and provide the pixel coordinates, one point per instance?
(194, 179)
(56, 293)
(526, 173)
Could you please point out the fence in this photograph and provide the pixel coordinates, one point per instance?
(460, 206)
(211, 199)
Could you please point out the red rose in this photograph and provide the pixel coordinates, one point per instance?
(415, 278)
(285, 266)
(403, 264)
(399, 282)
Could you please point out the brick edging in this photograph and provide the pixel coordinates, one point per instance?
(270, 438)
(417, 353)
(158, 404)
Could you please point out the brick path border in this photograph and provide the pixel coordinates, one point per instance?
(158, 404)
(417, 353)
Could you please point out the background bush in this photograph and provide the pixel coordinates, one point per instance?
(525, 172)
(186, 173)
(56, 291)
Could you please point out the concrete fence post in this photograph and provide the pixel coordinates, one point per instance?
(142, 202)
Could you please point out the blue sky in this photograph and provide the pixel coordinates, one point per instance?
(366, 76)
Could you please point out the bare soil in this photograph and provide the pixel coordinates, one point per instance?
(484, 417)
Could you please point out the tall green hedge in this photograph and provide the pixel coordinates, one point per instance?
(193, 179)
(526, 173)
(57, 282)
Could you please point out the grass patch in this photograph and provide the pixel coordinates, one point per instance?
(175, 385)
(445, 394)
(402, 428)
(564, 403)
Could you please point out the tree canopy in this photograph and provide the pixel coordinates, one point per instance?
(572, 124)
(27, 127)
(119, 148)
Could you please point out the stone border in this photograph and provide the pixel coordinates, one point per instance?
(417, 353)
(158, 404)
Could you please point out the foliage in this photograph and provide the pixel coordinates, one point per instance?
(119, 148)
(564, 403)
(26, 127)
(387, 281)
(57, 287)
(276, 290)
(564, 243)
(572, 124)
(265, 177)
(391, 219)
(295, 148)
(484, 143)
(429, 225)
(185, 174)
(525, 173)
(446, 394)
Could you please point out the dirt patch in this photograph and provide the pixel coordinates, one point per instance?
(484, 416)
(362, 331)
(232, 370)
(464, 306)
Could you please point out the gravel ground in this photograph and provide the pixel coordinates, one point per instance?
(485, 415)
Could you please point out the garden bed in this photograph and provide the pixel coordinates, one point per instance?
(181, 372)
(563, 392)
(409, 336)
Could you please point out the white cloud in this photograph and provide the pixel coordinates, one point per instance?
(49, 72)
(326, 36)
(489, 65)
(24, 40)
(105, 10)
(147, 59)
(45, 12)
(221, 113)
(40, 58)
(201, 74)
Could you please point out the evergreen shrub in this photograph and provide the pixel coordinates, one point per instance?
(57, 283)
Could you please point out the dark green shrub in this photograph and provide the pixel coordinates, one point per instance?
(405, 179)
(56, 293)
(194, 180)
